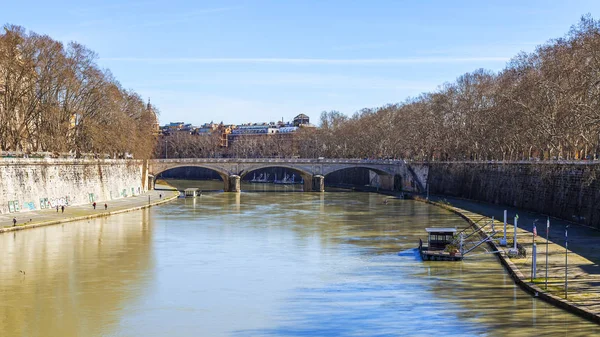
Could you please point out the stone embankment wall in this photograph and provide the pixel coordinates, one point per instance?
(33, 184)
(569, 191)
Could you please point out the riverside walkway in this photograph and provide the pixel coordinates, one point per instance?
(32, 219)
(583, 255)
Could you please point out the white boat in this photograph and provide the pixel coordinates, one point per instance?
(262, 178)
(287, 180)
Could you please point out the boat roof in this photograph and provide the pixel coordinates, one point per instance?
(191, 189)
(440, 230)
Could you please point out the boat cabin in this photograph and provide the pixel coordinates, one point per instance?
(438, 238)
(191, 192)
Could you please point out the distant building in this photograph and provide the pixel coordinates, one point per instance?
(177, 127)
(301, 119)
(288, 129)
(255, 129)
(232, 133)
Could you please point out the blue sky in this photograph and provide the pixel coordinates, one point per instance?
(254, 61)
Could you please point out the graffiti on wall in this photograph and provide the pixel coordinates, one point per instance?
(13, 206)
(60, 201)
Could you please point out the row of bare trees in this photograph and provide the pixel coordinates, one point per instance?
(186, 145)
(543, 105)
(55, 98)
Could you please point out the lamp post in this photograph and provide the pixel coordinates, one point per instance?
(534, 252)
(165, 147)
(547, 236)
(566, 262)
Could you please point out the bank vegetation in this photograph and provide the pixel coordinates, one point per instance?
(543, 105)
(55, 98)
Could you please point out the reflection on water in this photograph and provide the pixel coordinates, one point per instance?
(261, 264)
(73, 279)
(246, 186)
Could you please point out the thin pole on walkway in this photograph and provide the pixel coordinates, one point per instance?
(533, 251)
(505, 242)
(566, 262)
(547, 235)
(515, 237)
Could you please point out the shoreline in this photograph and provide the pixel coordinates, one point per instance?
(513, 270)
(86, 212)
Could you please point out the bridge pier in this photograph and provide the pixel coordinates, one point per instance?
(308, 183)
(386, 182)
(150, 181)
(318, 183)
(234, 184)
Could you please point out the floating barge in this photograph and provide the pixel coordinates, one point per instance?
(191, 192)
(437, 240)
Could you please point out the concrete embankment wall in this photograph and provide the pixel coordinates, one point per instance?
(33, 184)
(570, 191)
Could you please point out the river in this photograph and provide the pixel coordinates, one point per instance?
(261, 264)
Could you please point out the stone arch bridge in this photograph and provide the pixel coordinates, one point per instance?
(313, 171)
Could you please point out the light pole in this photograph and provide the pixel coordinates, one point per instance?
(566, 262)
(165, 147)
(547, 235)
(534, 252)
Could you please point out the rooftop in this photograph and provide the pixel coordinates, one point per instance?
(440, 230)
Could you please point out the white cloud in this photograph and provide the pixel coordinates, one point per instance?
(312, 61)
(289, 79)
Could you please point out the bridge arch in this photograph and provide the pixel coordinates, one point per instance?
(387, 180)
(222, 173)
(306, 175)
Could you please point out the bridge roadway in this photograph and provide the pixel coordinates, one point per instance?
(393, 174)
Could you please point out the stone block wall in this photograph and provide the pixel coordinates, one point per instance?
(569, 191)
(33, 184)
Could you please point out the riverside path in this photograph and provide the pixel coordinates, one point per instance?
(32, 219)
(583, 254)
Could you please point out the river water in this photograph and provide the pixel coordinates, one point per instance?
(261, 264)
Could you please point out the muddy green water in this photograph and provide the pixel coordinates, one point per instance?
(261, 264)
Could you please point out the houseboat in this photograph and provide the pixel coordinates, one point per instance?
(438, 239)
(191, 192)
